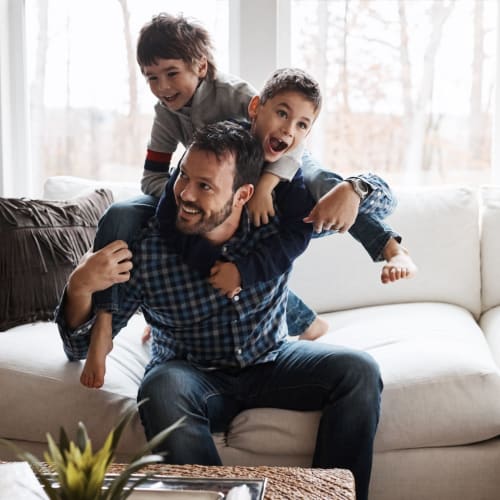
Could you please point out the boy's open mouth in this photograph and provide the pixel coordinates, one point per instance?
(170, 98)
(277, 145)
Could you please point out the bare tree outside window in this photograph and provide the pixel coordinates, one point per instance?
(91, 109)
(408, 85)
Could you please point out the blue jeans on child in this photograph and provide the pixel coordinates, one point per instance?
(306, 376)
(124, 220)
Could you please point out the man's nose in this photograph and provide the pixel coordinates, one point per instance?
(187, 193)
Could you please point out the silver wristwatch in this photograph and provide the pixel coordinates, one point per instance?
(360, 187)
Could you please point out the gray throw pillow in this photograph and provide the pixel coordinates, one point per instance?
(40, 244)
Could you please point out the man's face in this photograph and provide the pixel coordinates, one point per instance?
(173, 81)
(282, 123)
(204, 192)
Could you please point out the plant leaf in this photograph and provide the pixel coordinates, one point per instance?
(119, 482)
(127, 417)
(158, 439)
(63, 440)
(81, 436)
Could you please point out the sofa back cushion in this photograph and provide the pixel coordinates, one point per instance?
(490, 246)
(440, 227)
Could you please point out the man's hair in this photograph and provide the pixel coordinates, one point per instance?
(229, 138)
(292, 79)
(175, 37)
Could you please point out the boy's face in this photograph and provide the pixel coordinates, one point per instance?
(282, 123)
(173, 81)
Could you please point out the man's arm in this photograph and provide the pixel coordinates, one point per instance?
(74, 314)
(97, 271)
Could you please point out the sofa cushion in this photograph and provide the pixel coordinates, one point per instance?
(441, 384)
(440, 227)
(65, 187)
(42, 241)
(490, 246)
(41, 389)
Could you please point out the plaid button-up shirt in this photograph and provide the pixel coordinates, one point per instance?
(189, 318)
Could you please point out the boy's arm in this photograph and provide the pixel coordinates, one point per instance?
(165, 137)
(155, 173)
(261, 205)
(278, 251)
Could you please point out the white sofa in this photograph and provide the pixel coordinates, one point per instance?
(436, 338)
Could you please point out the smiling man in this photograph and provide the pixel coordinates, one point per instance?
(213, 356)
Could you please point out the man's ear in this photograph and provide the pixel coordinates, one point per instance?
(253, 107)
(243, 194)
(202, 67)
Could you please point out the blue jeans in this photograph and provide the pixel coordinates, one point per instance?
(121, 221)
(306, 376)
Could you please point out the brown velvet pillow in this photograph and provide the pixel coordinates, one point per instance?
(40, 244)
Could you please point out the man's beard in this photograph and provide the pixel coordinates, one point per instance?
(205, 224)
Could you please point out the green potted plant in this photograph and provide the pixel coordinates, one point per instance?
(79, 473)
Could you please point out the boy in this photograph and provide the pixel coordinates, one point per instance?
(176, 58)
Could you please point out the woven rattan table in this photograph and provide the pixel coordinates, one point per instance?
(282, 482)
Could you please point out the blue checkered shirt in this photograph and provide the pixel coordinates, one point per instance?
(190, 319)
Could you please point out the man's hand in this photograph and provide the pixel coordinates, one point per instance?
(99, 270)
(336, 210)
(225, 277)
(260, 205)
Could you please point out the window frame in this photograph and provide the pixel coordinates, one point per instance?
(253, 58)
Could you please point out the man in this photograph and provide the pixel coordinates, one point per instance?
(213, 355)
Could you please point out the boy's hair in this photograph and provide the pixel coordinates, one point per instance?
(226, 137)
(292, 79)
(175, 37)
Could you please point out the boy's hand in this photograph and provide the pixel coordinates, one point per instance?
(336, 210)
(260, 205)
(225, 277)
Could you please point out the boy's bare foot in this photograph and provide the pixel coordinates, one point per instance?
(101, 343)
(399, 266)
(315, 330)
(146, 334)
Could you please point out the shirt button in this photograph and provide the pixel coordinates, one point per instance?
(224, 250)
(238, 351)
(236, 298)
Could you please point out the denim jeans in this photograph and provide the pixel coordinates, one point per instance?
(344, 384)
(121, 221)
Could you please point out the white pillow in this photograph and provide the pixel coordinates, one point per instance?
(65, 187)
(440, 227)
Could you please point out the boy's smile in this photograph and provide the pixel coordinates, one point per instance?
(282, 122)
(173, 81)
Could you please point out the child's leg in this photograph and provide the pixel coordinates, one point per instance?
(122, 221)
(303, 321)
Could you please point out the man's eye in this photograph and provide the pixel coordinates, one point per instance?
(281, 113)
(151, 78)
(172, 74)
(205, 187)
(182, 175)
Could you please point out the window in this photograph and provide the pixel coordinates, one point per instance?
(91, 110)
(408, 86)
